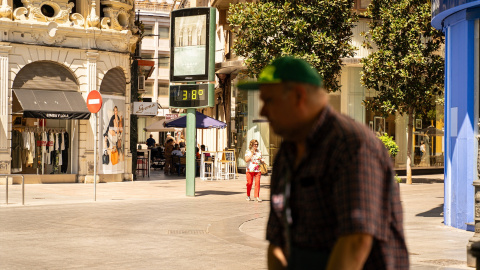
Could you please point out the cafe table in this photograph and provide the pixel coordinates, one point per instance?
(146, 153)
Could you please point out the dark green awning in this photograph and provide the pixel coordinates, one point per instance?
(50, 104)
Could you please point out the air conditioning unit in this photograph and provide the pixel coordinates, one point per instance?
(141, 83)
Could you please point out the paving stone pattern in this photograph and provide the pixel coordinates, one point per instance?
(152, 224)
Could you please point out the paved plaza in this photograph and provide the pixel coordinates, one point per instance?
(152, 224)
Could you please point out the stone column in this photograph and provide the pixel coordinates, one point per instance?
(92, 57)
(4, 109)
(155, 70)
(4, 96)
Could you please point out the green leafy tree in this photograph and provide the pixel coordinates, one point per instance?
(406, 70)
(314, 30)
(390, 144)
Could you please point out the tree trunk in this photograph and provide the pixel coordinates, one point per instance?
(409, 146)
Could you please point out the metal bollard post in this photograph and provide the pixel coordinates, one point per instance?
(475, 251)
(6, 186)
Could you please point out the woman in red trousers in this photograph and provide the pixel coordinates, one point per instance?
(253, 157)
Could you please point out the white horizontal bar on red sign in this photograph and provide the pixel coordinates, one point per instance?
(94, 101)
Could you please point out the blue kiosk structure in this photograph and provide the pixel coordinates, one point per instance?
(459, 21)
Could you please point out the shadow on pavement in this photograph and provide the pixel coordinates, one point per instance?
(422, 180)
(434, 212)
(215, 192)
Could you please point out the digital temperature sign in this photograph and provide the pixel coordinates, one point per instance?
(191, 95)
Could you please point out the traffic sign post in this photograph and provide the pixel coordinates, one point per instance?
(94, 104)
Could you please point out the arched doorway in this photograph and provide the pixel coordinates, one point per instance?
(46, 110)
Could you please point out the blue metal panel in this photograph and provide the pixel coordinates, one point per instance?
(448, 161)
(441, 9)
(460, 151)
(439, 6)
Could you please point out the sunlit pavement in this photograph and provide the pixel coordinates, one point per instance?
(152, 224)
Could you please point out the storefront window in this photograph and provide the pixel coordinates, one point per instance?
(163, 32)
(163, 61)
(163, 89)
(42, 146)
(148, 90)
(148, 30)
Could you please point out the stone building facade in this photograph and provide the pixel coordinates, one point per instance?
(65, 48)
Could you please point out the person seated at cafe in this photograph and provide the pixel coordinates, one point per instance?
(182, 144)
(197, 153)
(150, 142)
(168, 156)
(177, 151)
(157, 152)
(202, 147)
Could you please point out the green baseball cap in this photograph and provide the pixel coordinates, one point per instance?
(284, 69)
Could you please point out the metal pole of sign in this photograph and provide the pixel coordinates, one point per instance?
(95, 160)
(190, 169)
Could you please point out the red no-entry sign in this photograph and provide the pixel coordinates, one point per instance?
(94, 101)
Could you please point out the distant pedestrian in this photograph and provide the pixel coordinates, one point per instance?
(423, 149)
(253, 157)
(169, 136)
(150, 142)
(168, 156)
(334, 203)
(423, 153)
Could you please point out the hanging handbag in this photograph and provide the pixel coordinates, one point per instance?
(114, 157)
(263, 168)
(105, 158)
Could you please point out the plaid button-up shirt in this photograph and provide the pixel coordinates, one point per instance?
(343, 185)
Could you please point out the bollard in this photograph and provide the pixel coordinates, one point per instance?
(475, 251)
(6, 186)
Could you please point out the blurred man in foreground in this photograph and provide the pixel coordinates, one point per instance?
(334, 201)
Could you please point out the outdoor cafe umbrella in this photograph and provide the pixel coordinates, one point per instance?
(202, 121)
(158, 127)
(432, 131)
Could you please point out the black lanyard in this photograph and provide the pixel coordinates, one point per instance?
(287, 210)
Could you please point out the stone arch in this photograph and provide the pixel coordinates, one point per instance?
(46, 75)
(114, 82)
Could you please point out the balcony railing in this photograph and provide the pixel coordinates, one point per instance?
(153, 6)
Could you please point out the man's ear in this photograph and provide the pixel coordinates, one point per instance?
(300, 95)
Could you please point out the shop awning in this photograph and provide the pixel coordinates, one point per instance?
(159, 126)
(50, 104)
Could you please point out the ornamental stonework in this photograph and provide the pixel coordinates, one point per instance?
(105, 25)
(49, 11)
(118, 15)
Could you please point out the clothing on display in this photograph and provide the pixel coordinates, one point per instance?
(34, 147)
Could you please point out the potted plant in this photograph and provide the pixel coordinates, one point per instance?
(392, 148)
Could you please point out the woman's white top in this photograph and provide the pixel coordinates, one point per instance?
(254, 164)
